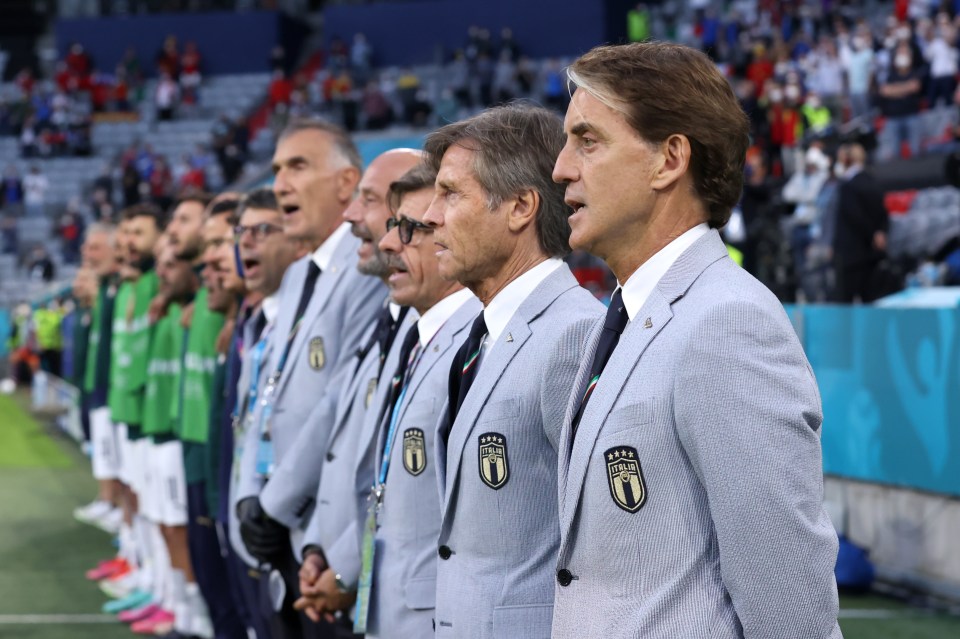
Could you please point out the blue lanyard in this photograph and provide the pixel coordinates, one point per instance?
(391, 432)
(255, 379)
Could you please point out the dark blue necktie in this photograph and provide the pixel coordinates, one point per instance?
(464, 368)
(613, 326)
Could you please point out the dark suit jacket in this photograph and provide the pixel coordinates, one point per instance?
(860, 214)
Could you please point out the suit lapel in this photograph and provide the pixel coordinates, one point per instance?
(633, 343)
(322, 292)
(495, 362)
(350, 390)
(639, 334)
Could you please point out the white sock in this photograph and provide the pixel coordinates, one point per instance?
(176, 591)
(127, 548)
(161, 563)
(199, 620)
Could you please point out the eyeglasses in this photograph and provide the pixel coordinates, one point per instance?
(258, 231)
(406, 227)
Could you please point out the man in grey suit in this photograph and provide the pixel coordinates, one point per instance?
(325, 306)
(331, 554)
(500, 228)
(398, 587)
(690, 470)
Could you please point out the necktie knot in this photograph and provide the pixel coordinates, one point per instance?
(617, 317)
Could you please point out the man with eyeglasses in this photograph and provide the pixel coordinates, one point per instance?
(326, 306)
(398, 583)
(263, 254)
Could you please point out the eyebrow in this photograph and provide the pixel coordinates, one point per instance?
(580, 128)
(287, 162)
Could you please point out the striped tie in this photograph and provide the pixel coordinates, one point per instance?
(465, 365)
(613, 326)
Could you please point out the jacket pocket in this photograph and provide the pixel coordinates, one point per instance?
(528, 621)
(420, 594)
(627, 418)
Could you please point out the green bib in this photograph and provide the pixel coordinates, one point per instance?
(128, 371)
(198, 368)
(163, 374)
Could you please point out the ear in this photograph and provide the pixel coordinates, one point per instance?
(675, 160)
(523, 210)
(347, 181)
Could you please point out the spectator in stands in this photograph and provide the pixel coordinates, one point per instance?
(458, 74)
(376, 109)
(858, 64)
(826, 77)
(11, 190)
(505, 79)
(130, 183)
(279, 90)
(168, 58)
(167, 97)
(133, 72)
(900, 105)
(278, 59)
(817, 117)
(190, 76)
(71, 234)
(638, 23)
(802, 191)
(47, 321)
(554, 86)
(361, 57)
(941, 54)
(35, 185)
(29, 142)
(9, 236)
(161, 183)
(860, 237)
(408, 83)
(41, 266)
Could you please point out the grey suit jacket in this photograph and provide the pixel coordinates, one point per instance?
(691, 503)
(335, 523)
(499, 532)
(405, 571)
(343, 305)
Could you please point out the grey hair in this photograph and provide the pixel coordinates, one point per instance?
(515, 148)
(342, 142)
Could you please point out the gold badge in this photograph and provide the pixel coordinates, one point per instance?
(414, 451)
(494, 470)
(316, 355)
(627, 487)
(371, 389)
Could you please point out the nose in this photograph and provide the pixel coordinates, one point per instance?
(280, 185)
(564, 170)
(433, 217)
(352, 212)
(390, 243)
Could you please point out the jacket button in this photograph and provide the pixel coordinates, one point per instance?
(445, 552)
(330, 457)
(564, 577)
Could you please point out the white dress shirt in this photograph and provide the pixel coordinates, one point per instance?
(436, 316)
(638, 286)
(323, 255)
(502, 307)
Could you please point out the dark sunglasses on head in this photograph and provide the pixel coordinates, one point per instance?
(406, 227)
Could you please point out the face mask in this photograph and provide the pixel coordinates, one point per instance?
(902, 60)
(776, 95)
(903, 33)
(859, 43)
(838, 169)
(813, 103)
(792, 92)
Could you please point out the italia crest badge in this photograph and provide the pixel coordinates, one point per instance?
(625, 477)
(414, 451)
(494, 468)
(317, 356)
(371, 390)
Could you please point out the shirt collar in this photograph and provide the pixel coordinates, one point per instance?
(394, 309)
(271, 307)
(852, 172)
(324, 254)
(638, 286)
(502, 307)
(436, 316)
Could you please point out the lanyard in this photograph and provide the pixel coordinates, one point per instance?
(251, 398)
(286, 352)
(395, 415)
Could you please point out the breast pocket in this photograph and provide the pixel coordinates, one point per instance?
(627, 418)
